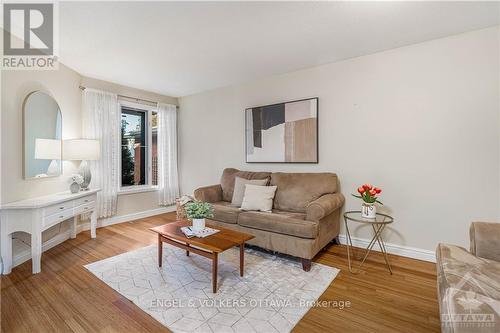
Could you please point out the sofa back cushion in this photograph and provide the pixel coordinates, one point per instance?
(228, 176)
(296, 190)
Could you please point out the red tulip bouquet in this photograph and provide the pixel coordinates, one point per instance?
(368, 194)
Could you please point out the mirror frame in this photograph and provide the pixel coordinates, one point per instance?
(25, 176)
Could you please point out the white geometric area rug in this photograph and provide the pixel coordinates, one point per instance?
(274, 294)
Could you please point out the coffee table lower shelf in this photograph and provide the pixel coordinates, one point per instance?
(208, 247)
(207, 254)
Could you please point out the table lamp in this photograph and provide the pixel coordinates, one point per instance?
(49, 149)
(82, 150)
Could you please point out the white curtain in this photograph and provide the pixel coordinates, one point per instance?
(101, 121)
(168, 182)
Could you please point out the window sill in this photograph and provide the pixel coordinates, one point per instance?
(137, 189)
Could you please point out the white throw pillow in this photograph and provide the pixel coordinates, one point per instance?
(258, 198)
(239, 188)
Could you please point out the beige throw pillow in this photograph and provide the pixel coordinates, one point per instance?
(258, 198)
(239, 188)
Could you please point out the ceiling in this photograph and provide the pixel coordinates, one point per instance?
(181, 48)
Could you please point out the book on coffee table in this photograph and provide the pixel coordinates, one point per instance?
(190, 232)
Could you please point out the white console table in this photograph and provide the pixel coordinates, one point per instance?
(35, 215)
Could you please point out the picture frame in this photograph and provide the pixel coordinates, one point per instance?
(285, 132)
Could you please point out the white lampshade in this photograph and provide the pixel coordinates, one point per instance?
(81, 149)
(47, 149)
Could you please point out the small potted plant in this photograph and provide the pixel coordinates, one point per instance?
(76, 182)
(197, 212)
(368, 194)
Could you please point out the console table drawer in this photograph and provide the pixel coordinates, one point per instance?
(84, 208)
(50, 210)
(84, 201)
(58, 217)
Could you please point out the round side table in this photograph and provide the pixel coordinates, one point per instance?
(378, 225)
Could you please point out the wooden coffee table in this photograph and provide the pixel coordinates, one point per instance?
(209, 247)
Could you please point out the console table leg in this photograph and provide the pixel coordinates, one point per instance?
(72, 227)
(93, 224)
(214, 272)
(6, 252)
(36, 252)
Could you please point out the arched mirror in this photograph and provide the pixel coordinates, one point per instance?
(42, 136)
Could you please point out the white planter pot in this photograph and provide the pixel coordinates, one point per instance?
(198, 224)
(368, 210)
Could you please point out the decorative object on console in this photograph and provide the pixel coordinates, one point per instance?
(76, 181)
(82, 150)
(198, 211)
(49, 149)
(368, 194)
(283, 133)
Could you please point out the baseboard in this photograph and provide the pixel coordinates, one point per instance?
(400, 250)
(134, 216)
(25, 255)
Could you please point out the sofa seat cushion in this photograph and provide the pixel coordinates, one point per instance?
(281, 223)
(300, 216)
(224, 212)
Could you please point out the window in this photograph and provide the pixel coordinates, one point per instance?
(138, 147)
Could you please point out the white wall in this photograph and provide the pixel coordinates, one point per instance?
(16, 85)
(63, 84)
(421, 122)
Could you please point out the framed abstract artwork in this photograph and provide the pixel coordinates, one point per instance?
(282, 133)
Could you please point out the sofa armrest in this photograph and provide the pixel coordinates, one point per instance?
(324, 206)
(485, 240)
(209, 193)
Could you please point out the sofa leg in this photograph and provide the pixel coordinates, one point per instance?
(306, 264)
(336, 240)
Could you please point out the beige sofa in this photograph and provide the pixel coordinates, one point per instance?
(469, 282)
(305, 215)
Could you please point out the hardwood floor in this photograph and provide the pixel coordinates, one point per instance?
(65, 297)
